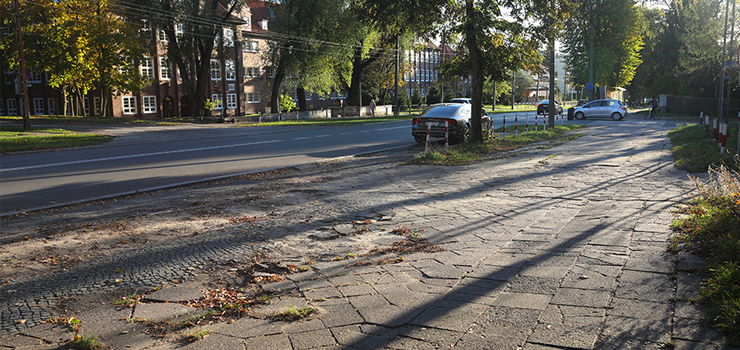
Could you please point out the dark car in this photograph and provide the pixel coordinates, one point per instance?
(458, 123)
(542, 107)
(467, 100)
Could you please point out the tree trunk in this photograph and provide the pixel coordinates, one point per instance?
(276, 82)
(551, 105)
(476, 83)
(301, 95)
(353, 98)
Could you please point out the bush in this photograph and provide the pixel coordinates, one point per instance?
(286, 103)
(712, 230)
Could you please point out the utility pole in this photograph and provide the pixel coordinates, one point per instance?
(722, 70)
(25, 108)
(395, 91)
(512, 89)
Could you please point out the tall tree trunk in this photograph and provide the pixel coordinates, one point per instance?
(353, 98)
(276, 82)
(476, 83)
(301, 95)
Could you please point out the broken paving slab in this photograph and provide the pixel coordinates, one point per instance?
(158, 312)
(176, 294)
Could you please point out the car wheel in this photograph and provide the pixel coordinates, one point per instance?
(465, 136)
(420, 138)
(580, 116)
(616, 116)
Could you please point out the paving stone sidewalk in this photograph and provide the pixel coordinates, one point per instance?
(563, 248)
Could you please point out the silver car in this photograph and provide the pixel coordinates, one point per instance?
(602, 109)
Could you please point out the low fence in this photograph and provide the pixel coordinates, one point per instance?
(331, 112)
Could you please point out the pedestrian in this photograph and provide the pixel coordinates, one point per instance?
(372, 108)
(653, 107)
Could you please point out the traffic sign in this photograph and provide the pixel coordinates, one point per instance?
(589, 86)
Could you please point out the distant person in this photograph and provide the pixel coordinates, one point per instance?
(372, 108)
(653, 107)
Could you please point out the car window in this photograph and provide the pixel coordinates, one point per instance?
(591, 104)
(442, 111)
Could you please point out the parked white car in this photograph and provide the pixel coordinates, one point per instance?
(602, 109)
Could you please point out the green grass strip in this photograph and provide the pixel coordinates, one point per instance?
(14, 139)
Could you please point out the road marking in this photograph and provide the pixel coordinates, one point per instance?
(345, 133)
(393, 128)
(301, 138)
(137, 155)
(322, 135)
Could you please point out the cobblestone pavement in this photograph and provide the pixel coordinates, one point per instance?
(551, 249)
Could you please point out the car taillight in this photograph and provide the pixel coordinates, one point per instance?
(451, 122)
(415, 120)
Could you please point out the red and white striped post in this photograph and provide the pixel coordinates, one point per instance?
(429, 131)
(715, 137)
(447, 142)
(535, 122)
(504, 127)
(701, 118)
(706, 125)
(491, 130)
(526, 123)
(516, 125)
(722, 138)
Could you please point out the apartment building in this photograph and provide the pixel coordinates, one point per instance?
(240, 91)
(423, 72)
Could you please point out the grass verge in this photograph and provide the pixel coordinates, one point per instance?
(695, 151)
(14, 139)
(711, 229)
(467, 153)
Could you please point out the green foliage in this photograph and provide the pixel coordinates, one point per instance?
(683, 48)
(84, 342)
(617, 42)
(210, 105)
(416, 96)
(286, 103)
(294, 313)
(695, 152)
(711, 228)
(197, 335)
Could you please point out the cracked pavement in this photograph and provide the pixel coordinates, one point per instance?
(567, 253)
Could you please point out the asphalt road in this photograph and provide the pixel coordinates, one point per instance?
(37, 180)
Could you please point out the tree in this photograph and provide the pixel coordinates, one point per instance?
(195, 30)
(616, 42)
(682, 51)
(303, 47)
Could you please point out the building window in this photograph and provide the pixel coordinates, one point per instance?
(179, 30)
(38, 106)
(230, 101)
(147, 67)
(12, 107)
(252, 46)
(165, 70)
(96, 105)
(228, 37)
(270, 72)
(129, 105)
(216, 99)
(253, 97)
(230, 70)
(87, 105)
(215, 70)
(2, 107)
(252, 72)
(149, 104)
(35, 77)
(163, 36)
(50, 102)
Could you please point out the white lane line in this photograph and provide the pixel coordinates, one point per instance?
(83, 161)
(301, 138)
(393, 128)
(345, 133)
(364, 131)
(322, 135)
